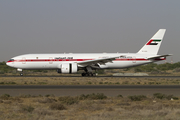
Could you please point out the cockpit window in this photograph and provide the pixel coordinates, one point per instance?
(11, 60)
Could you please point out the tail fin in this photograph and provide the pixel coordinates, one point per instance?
(153, 45)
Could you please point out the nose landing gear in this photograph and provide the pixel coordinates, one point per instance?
(21, 74)
(20, 70)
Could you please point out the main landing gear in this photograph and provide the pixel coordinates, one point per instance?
(88, 74)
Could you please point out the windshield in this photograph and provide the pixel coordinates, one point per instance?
(11, 60)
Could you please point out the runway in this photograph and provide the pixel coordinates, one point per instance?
(74, 90)
(172, 77)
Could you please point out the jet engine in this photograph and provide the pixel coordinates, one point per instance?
(67, 68)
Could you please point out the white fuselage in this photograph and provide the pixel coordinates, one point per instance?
(71, 63)
(52, 61)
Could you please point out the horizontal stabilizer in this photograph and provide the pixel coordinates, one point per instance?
(158, 56)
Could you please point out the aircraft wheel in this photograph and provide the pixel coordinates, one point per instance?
(91, 74)
(87, 74)
(83, 74)
(94, 74)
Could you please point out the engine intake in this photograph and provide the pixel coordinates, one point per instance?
(67, 68)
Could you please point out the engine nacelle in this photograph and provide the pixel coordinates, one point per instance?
(67, 68)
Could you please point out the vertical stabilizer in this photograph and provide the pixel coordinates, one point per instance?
(153, 45)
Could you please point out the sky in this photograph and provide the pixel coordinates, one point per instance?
(87, 26)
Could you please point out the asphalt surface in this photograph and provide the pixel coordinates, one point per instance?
(74, 90)
(109, 90)
(173, 77)
(89, 87)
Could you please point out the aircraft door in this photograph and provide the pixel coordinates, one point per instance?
(134, 59)
(23, 60)
(50, 60)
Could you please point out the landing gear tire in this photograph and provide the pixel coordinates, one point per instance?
(83, 74)
(88, 74)
(94, 74)
(21, 74)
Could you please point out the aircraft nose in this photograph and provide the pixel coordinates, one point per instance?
(10, 63)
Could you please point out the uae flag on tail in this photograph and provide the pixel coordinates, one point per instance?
(153, 42)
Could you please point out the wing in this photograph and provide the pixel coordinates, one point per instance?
(158, 56)
(101, 61)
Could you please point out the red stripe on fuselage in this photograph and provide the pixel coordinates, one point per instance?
(56, 60)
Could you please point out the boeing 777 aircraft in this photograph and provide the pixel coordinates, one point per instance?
(71, 63)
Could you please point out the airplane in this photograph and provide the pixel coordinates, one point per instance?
(72, 63)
